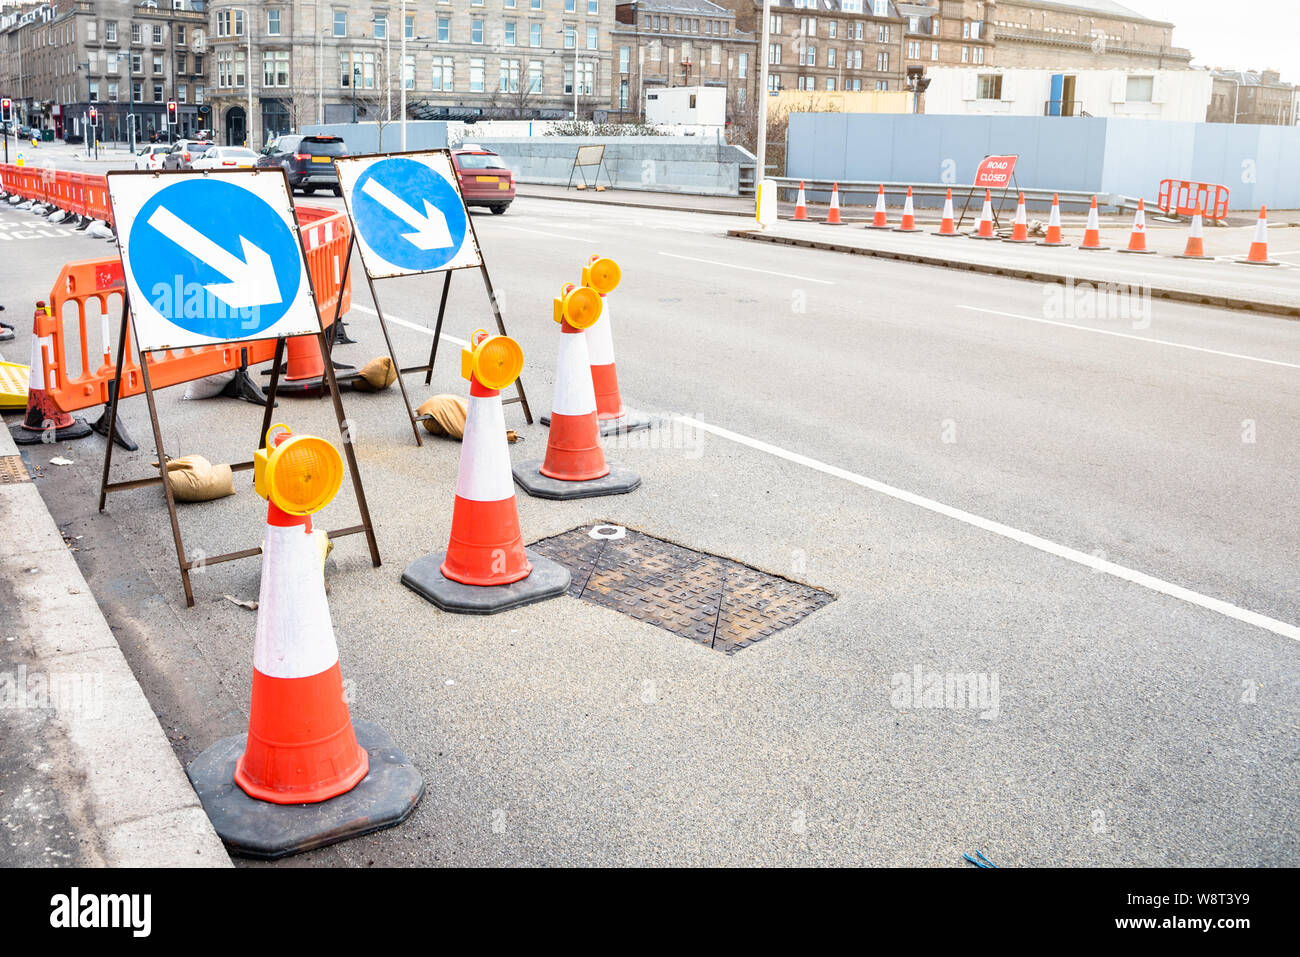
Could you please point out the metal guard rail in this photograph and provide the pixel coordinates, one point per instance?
(937, 191)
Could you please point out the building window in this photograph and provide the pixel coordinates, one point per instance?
(586, 78)
(622, 94)
(179, 31)
(534, 76)
(157, 93)
(476, 31)
(990, 87)
(408, 71)
(624, 59)
(273, 23)
(656, 51)
(808, 26)
(830, 57)
(476, 71)
(358, 68)
(182, 93)
(508, 78)
(157, 35)
(913, 49)
(534, 4)
(275, 68)
(882, 61)
(510, 33)
(934, 51)
(568, 78)
(1139, 89)
(570, 36)
(381, 28)
(137, 63)
(774, 53)
(112, 91)
(94, 91)
(965, 54)
(570, 6)
(135, 33)
(830, 83)
(773, 82)
(92, 29)
(534, 34)
(410, 26)
(593, 7)
(157, 66)
(443, 71)
(110, 31)
(340, 23)
(742, 66)
(882, 85)
(444, 29)
(883, 34)
(593, 42)
(977, 55)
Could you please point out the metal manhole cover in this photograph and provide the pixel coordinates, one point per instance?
(709, 599)
(12, 470)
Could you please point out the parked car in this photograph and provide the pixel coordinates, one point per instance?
(225, 157)
(183, 153)
(308, 161)
(485, 180)
(151, 157)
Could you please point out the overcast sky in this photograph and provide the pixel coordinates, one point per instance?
(1248, 34)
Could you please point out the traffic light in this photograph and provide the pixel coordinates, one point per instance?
(6, 110)
(94, 115)
(171, 113)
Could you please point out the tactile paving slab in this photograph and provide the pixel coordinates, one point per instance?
(709, 599)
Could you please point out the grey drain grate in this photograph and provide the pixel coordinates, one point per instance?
(12, 470)
(710, 599)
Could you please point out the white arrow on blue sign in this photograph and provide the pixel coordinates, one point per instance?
(211, 257)
(408, 213)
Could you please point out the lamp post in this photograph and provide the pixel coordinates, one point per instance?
(402, 94)
(761, 99)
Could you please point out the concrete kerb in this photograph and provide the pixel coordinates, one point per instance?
(1035, 275)
(134, 803)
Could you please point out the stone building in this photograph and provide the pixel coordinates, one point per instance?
(1082, 34)
(662, 43)
(123, 58)
(326, 62)
(1247, 97)
(830, 44)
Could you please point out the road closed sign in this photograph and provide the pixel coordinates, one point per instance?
(211, 258)
(995, 172)
(408, 212)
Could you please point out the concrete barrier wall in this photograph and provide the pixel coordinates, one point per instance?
(364, 137)
(656, 163)
(1104, 155)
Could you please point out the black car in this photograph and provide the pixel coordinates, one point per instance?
(184, 152)
(307, 160)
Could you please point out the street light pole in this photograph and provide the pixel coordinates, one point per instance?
(402, 95)
(761, 145)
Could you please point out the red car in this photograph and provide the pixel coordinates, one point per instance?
(484, 178)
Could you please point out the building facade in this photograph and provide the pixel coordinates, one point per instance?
(127, 60)
(667, 43)
(292, 64)
(1247, 97)
(1082, 34)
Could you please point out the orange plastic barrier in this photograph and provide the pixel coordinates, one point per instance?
(91, 291)
(1183, 197)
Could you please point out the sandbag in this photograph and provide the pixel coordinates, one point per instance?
(448, 415)
(209, 386)
(194, 479)
(375, 375)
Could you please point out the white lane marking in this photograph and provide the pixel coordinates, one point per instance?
(410, 325)
(1025, 538)
(1289, 252)
(1125, 335)
(538, 232)
(714, 262)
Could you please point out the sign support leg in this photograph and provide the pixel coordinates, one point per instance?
(437, 327)
(383, 326)
(346, 434)
(167, 488)
(113, 400)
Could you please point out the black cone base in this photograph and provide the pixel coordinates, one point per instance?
(243, 387)
(385, 797)
(528, 476)
(424, 576)
(77, 430)
(629, 421)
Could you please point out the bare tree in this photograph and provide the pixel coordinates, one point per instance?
(378, 104)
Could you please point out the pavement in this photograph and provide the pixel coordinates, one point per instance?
(1091, 513)
(87, 775)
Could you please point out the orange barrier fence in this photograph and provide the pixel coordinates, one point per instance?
(1185, 197)
(83, 194)
(80, 367)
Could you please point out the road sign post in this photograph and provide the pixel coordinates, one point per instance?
(214, 259)
(409, 218)
(994, 172)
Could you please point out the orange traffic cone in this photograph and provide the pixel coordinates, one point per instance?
(301, 746)
(43, 421)
(908, 225)
(881, 218)
(575, 465)
(1054, 226)
(833, 214)
(947, 227)
(1195, 238)
(1020, 230)
(486, 568)
(800, 205)
(1258, 255)
(1092, 233)
(1137, 242)
(985, 230)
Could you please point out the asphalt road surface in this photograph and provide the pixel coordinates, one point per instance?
(1093, 515)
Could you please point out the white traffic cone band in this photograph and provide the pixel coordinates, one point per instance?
(574, 392)
(947, 208)
(1055, 218)
(880, 202)
(600, 337)
(1261, 230)
(1021, 219)
(1198, 227)
(908, 209)
(835, 198)
(1094, 222)
(986, 214)
(484, 474)
(295, 635)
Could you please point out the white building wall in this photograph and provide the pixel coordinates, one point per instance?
(673, 105)
(1180, 95)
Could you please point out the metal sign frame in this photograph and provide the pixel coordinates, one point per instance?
(471, 237)
(997, 224)
(579, 166)
(127, 332)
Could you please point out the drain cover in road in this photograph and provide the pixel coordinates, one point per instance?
(706, 598)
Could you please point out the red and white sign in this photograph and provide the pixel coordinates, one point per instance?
(995, 172)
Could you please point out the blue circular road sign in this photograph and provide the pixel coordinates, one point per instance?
(409, 214)
(215, 259)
